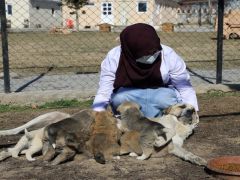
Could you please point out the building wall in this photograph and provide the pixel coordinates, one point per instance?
(124, 12)
(165, 14)
(20, 12)
(45, 14)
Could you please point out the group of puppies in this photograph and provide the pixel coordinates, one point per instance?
(101, 135)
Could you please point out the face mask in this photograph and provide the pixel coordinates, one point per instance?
(148, 59)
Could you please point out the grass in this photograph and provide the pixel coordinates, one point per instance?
(218, 93)
(49, 105)
(84, 51)
(66, 103)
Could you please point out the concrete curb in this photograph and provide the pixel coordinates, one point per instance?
(204, 88)
(40, 97)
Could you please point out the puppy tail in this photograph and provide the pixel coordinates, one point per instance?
(99, 157)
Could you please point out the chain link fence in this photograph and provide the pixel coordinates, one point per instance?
(55, 45)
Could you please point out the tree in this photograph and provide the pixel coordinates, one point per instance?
(75, 5)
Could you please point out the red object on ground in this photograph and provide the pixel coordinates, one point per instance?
(218, 163)
(69, 23)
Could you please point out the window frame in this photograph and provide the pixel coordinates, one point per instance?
(146, 3)
(11, 9)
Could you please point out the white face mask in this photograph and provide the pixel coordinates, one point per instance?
(148, 59)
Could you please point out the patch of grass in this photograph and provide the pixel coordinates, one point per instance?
(7, 108)
(49, 105)
(66, 103)
(219, 93)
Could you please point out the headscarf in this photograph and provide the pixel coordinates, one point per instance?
(138, 40)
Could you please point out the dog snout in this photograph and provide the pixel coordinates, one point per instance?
(189, 112)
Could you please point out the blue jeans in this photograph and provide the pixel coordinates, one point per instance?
(152, 101)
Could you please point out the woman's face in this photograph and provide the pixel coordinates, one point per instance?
(140, 40)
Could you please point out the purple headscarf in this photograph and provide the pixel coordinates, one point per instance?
(138, 40)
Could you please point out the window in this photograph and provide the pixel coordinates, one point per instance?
(142, 7)
(106, 8)
(9, 9)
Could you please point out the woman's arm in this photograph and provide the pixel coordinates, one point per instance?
(180, 79)
(107, 77)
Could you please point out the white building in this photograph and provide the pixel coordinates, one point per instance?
(33, 13)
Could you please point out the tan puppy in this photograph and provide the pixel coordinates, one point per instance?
(103, 143)
(130, 143)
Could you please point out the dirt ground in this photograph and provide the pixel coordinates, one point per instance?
(218, 134)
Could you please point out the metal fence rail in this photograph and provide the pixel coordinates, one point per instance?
(54, 45)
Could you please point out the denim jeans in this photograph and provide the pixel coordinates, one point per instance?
(152, 101)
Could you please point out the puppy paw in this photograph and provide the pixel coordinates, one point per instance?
(160, 141)
(133, 154)
(13, 152)
(142, 157)
(116, 157)
(31, 159)
(15, 155)
(201, 162)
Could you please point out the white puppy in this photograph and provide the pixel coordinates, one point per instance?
(31, 142)
(183, 119)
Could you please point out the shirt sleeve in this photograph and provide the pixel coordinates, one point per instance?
(180, 79)
(107, 77)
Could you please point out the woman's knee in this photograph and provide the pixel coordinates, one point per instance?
(166, 97)
(118, 99)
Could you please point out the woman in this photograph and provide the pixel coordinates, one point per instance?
(144, 71)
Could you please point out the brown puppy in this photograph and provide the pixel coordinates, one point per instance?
(103, 143)
(67, 137)
(130, 142)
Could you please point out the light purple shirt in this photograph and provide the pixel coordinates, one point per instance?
(173, 71)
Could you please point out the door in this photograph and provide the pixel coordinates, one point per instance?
(106, 12)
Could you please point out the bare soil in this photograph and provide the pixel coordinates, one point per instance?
(218, 134)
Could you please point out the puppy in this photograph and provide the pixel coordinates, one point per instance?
(185, 119)
(179, 121)
(130, 143)
(65, 138)
(103, 142)
(38, 122)
(29, 144)
(132, 119)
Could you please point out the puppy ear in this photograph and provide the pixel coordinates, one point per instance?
(28, 135)
(167, 110)
(182, 106)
